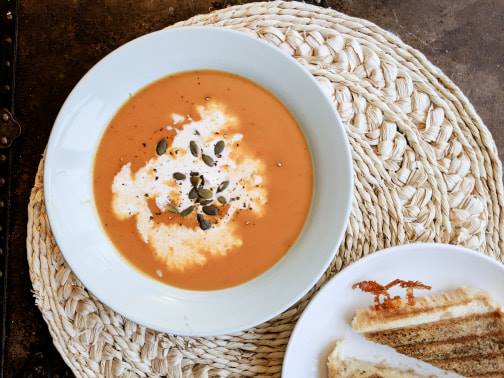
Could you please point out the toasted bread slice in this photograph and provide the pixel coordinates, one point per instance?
(340, 367)
(460, 330)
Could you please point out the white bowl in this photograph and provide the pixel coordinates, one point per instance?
(69, 196)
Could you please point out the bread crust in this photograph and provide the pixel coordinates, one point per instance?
(339, 367)
(455, 303)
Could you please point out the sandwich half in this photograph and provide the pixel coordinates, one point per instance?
(339, 366)
(460, 330)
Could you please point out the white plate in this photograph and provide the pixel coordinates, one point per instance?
(68, 181)
(329, 314)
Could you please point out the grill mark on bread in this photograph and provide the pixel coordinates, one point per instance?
(437, 303)
(473, 345)
(473, 365)
(455, 328)
(493, 374)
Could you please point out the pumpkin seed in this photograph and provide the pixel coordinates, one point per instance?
(205, 202)
(187, 211)
(195, 150)
(222, 200)
(195, 180)
(161, 147)
(171, 208)
(179, 176)
(205, 193)
(208, 160)
(193, 194)
(219, 147)
(210, 210)
(203, 223)
(222, 186)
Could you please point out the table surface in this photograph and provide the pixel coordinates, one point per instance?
(60, 40)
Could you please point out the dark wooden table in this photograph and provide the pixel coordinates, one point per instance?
(60, 40)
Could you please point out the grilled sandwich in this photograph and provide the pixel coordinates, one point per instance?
(339, 366)
(460, 330)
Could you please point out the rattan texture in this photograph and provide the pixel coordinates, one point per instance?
(426, 170)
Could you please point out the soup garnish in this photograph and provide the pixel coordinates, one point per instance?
(203, 180)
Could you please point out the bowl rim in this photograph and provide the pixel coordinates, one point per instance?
(59, 125)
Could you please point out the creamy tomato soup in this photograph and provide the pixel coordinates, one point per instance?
(203, 180)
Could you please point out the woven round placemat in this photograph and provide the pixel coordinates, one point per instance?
(426, 169)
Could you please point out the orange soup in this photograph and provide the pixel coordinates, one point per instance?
(203, 180)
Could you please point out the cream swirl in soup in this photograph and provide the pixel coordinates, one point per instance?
(203, 180)
(180, 246)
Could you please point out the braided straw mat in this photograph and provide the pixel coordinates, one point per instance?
(426, 169)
